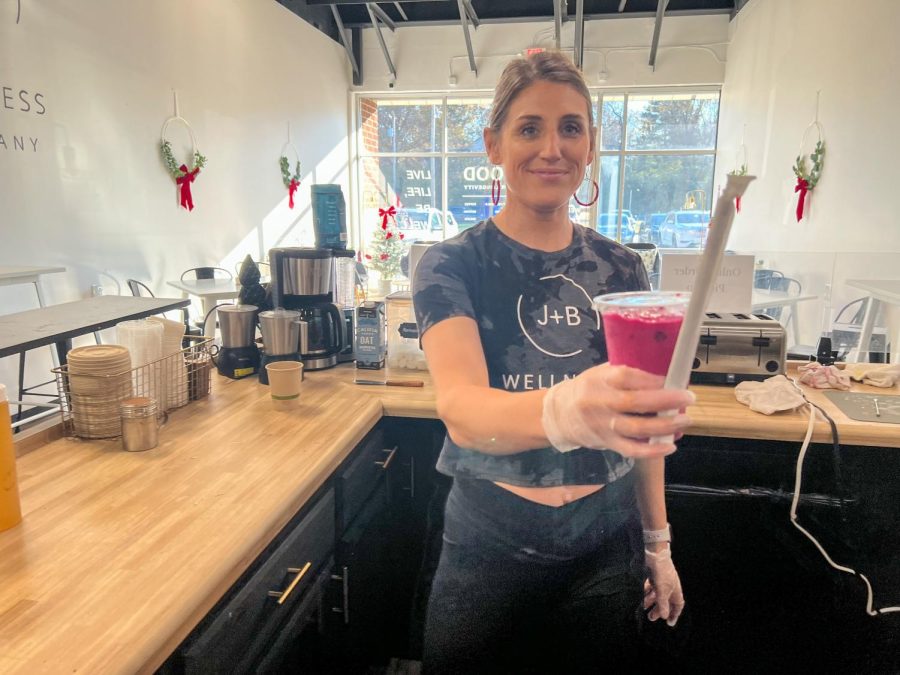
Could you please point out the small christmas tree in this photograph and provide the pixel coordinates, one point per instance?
(387, 249)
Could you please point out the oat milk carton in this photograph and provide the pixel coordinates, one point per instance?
(370, 335)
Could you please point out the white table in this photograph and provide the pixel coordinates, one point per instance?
(211, 292)
(765, 299)
(14, 274)
(879, 290)
(56, 325)
(11, 275)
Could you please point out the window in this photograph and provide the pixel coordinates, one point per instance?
(657, 154)
(426, 158)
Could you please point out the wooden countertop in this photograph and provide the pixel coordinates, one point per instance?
(119, 555)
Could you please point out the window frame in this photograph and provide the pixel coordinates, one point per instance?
(623, 153)
(597, 96)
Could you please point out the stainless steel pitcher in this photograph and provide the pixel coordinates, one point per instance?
(280, 331)
(237, 324)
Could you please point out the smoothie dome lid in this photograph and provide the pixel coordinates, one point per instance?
(670, 300)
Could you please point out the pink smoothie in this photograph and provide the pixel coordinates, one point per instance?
(646, 342)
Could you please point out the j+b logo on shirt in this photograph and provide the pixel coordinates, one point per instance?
(572, 316)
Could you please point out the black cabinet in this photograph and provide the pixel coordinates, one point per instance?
(363, 597)
(303, 645)
(336, 589)
(367, 468)
(240, 634)
(365, 604)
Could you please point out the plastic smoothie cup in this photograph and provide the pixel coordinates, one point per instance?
(642, 327)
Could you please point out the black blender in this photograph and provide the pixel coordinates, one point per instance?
(303, 281)
(239, 356)
(281, 338)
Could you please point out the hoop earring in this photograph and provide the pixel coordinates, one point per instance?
(496, 186)
(594, 198)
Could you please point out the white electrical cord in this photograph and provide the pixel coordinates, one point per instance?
(813, 413)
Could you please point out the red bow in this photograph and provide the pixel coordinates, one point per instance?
(390, 212)
(802, 187)
(292, 188)
(185, 181)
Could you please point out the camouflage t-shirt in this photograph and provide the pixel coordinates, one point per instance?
(537, 326)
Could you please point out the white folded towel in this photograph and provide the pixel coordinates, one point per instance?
(876, 374)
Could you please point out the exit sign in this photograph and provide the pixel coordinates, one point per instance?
(533, 50)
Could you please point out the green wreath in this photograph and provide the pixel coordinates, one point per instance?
(818, 161)
(173, 166)
(286, 176)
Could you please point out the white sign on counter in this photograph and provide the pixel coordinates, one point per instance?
(733, 288)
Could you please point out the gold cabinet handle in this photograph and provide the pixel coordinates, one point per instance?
(384, 464)
(283, 595)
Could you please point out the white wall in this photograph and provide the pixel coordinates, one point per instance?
(95, 197)
(692, 51)
(781, 54)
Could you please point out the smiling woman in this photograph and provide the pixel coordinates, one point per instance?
(553, 473)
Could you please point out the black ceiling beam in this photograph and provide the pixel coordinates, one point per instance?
(353, 2)
(382, 16)
(454, 20)
(400, 11)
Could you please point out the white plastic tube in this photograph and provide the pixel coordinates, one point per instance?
(686, 346)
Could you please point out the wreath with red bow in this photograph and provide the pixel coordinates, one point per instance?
(291, 181)
(807, 180)
(180, 172)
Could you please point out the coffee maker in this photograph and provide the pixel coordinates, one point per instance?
(238, 357)
(303, 281)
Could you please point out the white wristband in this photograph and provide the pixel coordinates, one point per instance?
(658, 536)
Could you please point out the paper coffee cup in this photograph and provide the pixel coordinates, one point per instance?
(285, 378)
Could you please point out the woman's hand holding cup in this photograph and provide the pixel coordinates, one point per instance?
(614, 407)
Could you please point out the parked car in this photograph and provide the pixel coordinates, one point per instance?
(684, 229)
(426, 224)
(650, 233)
(606, 225)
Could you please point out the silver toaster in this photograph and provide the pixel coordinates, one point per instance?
(738, 347)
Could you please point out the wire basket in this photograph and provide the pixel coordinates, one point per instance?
(90, 403)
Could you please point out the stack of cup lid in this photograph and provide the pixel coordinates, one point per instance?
(99, 379)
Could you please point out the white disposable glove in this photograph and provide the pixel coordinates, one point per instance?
(601, 408)
(662, 589)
